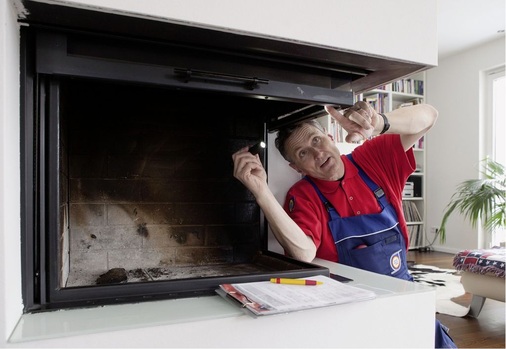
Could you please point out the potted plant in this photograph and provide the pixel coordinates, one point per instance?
(480, 199)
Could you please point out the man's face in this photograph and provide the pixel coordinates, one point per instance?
(313, 153)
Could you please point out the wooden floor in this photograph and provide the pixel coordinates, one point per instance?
(486, 331)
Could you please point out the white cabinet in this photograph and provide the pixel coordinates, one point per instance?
(395, 95)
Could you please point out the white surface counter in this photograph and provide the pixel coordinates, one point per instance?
(402, 315)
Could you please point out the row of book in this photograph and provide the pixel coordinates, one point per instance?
(411, 86)
(381, 103)
(411, 213)
(415, 233)
(411, 102)
(415, 224)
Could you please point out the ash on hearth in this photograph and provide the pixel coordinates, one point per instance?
(113, 276)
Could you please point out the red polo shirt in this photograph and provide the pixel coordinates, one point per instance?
(385, 162)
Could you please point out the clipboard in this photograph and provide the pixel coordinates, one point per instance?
(227, 297)
(267, 298)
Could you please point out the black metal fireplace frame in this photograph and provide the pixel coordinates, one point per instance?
(64, 42)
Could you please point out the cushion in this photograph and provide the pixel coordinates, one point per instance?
(481, 261)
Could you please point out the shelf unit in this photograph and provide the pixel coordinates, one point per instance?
(398, 94)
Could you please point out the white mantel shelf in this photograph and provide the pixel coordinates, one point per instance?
(401, 316)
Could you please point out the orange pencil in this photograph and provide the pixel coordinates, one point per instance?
(296, 282)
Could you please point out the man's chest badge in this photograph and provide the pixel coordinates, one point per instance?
(291, 204)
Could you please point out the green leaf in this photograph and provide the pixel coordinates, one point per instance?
(479, 200)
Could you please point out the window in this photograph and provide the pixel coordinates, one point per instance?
(496, 129)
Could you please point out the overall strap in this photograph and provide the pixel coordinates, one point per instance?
(376, 189)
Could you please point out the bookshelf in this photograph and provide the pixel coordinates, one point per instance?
(400, 93)
(397, 94)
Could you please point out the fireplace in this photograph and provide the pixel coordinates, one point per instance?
(145, 184)
(128, 127)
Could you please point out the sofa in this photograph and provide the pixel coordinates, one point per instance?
(482, 275)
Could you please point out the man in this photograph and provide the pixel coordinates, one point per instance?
(312, 153)
(345, 209)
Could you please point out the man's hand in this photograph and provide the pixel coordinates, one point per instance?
(360, 121)
(248, 169)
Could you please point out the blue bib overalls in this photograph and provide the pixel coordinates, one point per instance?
(374, 242)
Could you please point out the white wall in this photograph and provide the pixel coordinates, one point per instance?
(359, 25)
(10, 231)
(281, 178)
(453, 152)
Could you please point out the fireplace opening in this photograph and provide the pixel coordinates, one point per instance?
(146, 186)
(135, 198)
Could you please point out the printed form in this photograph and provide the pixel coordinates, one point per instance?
(265, 297)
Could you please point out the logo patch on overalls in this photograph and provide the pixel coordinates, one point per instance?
(291, 204)
(395, 261)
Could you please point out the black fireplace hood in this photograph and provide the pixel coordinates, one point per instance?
(327, 67)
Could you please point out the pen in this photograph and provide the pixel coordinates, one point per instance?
(296, 282)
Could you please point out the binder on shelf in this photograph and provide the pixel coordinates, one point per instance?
(408, 191)
(417, 185)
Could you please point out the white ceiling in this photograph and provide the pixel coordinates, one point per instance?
(463, 24)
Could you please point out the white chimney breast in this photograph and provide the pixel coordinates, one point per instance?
(399, 29)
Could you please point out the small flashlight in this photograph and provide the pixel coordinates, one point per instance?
(255, 149)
